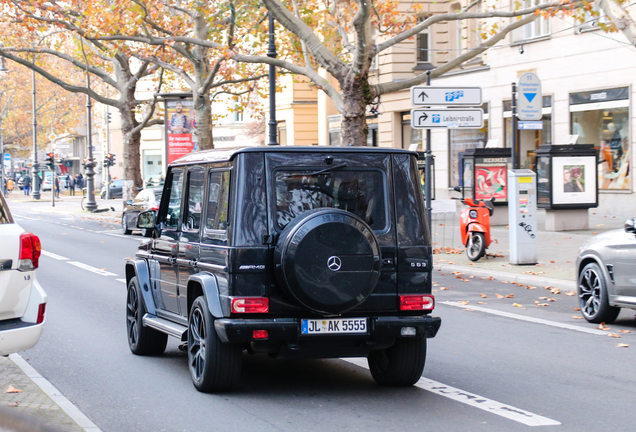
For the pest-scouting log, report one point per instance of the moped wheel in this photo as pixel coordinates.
(476, 246)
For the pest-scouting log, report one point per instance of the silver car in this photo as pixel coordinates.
(607, 274)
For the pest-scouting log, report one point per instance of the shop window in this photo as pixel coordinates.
(608, 130)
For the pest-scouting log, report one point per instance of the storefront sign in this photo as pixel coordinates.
(599, 96)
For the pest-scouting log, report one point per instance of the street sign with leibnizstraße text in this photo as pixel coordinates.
(530, 100)
(452, 118)
(446, 96)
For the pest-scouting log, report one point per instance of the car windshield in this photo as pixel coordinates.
(360, 192)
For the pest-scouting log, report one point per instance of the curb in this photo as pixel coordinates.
(522, 279)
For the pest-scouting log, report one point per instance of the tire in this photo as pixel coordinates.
(401, 364)
(82, 203)
(476, 246)
(593, 296)
(141, 340)
(124, 226)
(214, 366)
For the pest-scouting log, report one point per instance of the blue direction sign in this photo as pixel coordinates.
(530, 100)
(460, 118)
(7, 156)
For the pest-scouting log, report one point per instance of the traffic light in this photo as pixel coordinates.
(109, 160)
(50, 159)
(108, 117)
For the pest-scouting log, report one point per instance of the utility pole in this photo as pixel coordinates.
(272, 84)
(36, 176)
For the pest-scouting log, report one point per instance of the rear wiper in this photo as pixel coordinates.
(322, 171)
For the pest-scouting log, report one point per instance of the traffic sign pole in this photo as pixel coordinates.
(427, 169)
(514, 126)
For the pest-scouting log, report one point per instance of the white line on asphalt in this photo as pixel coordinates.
(526, 318)
(54, 256)
(91, 268)
(125, 236)
(48, 388)
(476, 401)
(121, 280)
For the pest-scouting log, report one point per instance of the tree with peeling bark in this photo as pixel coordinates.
(620, 19)
(60, 34)
(203, 68)
(344, 37)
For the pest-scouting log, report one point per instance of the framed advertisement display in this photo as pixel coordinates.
(180, 125)
(544, 180)
(491, 181)
(574, 180)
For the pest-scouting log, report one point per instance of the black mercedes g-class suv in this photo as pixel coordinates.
(297, 252)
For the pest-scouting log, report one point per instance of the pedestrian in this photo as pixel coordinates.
(57, 187)
(149, 182)
(80, 180)
(71, 185)
(9, 186)
(27, 185)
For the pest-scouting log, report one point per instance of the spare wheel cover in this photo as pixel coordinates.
(328, 260)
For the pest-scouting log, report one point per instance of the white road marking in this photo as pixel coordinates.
(476, 401)
(121, 280)
(54, 256)
(527, 318)
(91, 268)
(67, 406)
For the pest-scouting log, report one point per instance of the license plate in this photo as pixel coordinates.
(333, 325)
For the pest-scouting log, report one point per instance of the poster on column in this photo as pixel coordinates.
(491, 181)
(180, 128)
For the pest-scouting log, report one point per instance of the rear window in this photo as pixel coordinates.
(5, 214)
(361, 192)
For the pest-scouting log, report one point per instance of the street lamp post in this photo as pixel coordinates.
(272, 84)
(90, 172)
(36, 177)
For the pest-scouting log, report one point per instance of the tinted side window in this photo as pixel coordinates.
(174, 204)
(5, 214)
(196, 179)
(218, 197)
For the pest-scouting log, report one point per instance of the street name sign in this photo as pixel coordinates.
(465, 118)
(446, 96)
(530, 100)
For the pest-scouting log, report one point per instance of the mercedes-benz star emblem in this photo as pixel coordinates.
(334, 263)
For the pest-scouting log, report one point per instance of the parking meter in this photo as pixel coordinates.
(522, 216)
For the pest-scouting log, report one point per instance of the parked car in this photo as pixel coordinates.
(301, 252)
(22, 299)
(115, 190)
(606, 275)
(20, 183)
(147, 199)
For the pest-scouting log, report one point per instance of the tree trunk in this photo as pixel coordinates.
(132, 158)
(202, 104)
(203, 116)
(620, 18)
(355, 97)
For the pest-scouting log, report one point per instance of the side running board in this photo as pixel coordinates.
(164, 326)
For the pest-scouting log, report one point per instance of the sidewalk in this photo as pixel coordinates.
(556, 251)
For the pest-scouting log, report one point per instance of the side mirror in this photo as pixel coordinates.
(146, 219)
(630, 226)
(457, 189)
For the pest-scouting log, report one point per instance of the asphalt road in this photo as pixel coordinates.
(493, 366)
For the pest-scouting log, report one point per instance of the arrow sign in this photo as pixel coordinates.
(447, 96)
(531, 101)
(460, 118)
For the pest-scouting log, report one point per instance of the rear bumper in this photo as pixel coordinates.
(20, 338)
(288, 329)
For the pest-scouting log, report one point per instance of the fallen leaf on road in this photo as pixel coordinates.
(517, 305)
(12, 389)
(542, 304)
(491, 278)
(566, 237)
(577, 317)
(457, 273)
(569, 261)
(602, 326)
(530, 287)
(481, 303)
(600, 225)
(13, 404)
(570, 294)
(555, 291)
(622, 346)
(558, 242)
(465, 280)
(443, 288)
(530, 272)
(471, 264)
(577, 309)
(543, 298)
(614, 335)
(483, 295)
(472, 277)
(443, 274)
(510, 296)
(624, 331)
(552, 262)
(547, 287)
(551, 299)
(594, 233)
(463, 302)
(469, 310)
(499, 296)
(102, 242)
(539, 265)
(505, 281)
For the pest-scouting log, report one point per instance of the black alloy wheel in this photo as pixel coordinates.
(401, 364)
(124, 226)
(214, 366)
(593, 296)
(141, 340)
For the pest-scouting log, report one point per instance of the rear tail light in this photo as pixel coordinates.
(155, 208)
(250, 305)
(30, 251)
(417, 302)
(41, 313)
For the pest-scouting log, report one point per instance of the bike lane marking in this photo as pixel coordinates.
(473, 400)
(527, 318)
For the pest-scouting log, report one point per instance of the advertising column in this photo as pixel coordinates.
(179, 128)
